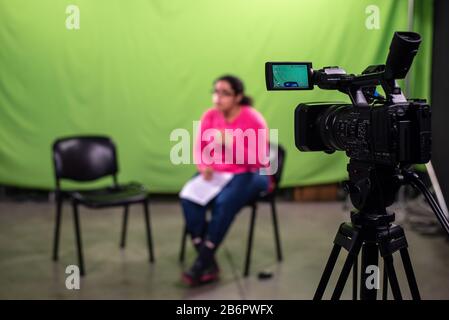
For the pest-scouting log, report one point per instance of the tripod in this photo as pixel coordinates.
(372, 188)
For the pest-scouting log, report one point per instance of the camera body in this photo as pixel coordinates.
(382, 133)
(388, 130)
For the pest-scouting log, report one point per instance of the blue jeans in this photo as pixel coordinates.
(235, 195)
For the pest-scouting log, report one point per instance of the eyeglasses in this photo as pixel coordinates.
(223, 93)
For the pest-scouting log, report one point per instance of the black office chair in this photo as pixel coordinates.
(271, 199)
(88, 158)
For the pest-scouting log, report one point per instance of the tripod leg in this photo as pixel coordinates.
(327, 272)
(370, 257)
(352, 255)
(385, 284)
(392, 277)
(410, 274)
(354, 278)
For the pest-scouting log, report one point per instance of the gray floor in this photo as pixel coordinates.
(307, 231)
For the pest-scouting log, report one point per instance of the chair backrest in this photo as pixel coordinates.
(281, 161)
(84, 158)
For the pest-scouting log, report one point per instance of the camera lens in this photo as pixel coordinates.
(333, 126)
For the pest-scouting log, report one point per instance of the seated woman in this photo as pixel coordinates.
(233, 153)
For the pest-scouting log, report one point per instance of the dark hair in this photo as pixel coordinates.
(238, 87)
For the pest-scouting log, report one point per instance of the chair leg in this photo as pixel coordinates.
(276, 230)
(124, 227)
(182, 251)
(57, 228)
(78, 238)
(250, 241)
(148, 229)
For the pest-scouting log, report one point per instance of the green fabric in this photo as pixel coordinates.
(136, 70)
(421, 69)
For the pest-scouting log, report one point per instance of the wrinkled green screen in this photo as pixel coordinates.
(136, 70)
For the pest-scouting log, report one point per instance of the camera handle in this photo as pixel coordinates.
(336, 78)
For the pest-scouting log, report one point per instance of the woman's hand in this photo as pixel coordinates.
(207, 173)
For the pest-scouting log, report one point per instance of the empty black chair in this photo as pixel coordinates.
(268, 198)
(88, 158)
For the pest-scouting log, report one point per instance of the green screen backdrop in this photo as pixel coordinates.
(136, 70)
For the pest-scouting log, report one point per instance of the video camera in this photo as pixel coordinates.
(386, 130)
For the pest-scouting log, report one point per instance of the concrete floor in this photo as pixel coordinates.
(307, 231)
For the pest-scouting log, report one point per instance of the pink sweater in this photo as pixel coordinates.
(245, 146)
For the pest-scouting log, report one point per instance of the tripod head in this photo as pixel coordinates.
(373, 187)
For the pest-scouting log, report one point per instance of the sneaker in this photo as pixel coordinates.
(210, 274)
(197, 275)
(198, 246)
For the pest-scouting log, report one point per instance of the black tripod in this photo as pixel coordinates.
(372, 188)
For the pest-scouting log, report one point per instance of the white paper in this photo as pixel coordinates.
(201, 191)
